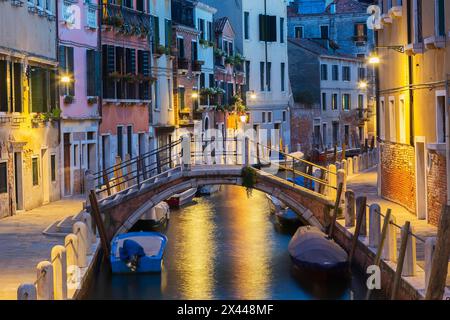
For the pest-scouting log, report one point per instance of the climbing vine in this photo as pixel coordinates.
(248, 179)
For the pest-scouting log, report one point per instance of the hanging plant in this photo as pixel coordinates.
(229, 60)
(92, 100)
(68, 99)
(219, 53)
(249, 179)
(204, 42)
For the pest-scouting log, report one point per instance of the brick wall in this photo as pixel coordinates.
(436, 187)
(398, 174)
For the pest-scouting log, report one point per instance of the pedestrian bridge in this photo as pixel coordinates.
(139, 184)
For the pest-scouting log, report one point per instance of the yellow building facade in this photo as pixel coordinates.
(413, 130)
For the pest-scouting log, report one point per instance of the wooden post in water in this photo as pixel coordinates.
(400, 259)
(359, 219)
(387, 220)
(438, 274)
(335, 210)
(100, 226)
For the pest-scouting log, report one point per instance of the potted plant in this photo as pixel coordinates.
(92, 100)
(116, 76)
(204, 43)
(68, 99)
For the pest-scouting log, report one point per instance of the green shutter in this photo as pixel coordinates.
(70, 70)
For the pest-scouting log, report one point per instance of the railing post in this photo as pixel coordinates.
(332, 181)
(71, 245)
(390, 246)
(335, 210)
(317, 174)
(401, 259)
(361, 205)
(186, 150)
(344, 166)
(58, 258)
(349, 166)
(100, 226)
(409, 269)
(89, 182)
(342, 180)
(44, 282)
(118, 174)
(129, 176)
(355, 164)
(26, 291)
(80, 229)
(350, 209)
(435, 290)
(374, 225)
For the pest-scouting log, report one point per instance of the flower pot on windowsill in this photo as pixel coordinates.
(68, 99)
(92, 100)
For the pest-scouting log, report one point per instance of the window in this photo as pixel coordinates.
(392, 128)
(299, 32)
(382, 119)
(128, 3)
(324, 101)
(246, 25)
(140, 5)
(360, 101)
(324, 32)
(181, 98)
(66, 68)
(335, 73)
(168, 33)
(269, 117)
(346, 73)
(346, 134)
(201, 28)
(418, 36)
(53, 167)
(440, 17)
(267, 28)
(283, 72)
(323, 72)
(3, 86)
(3, 177)
(402, 120)
(334, 101)
(210, 31)
(268, 76)
(263, 117)
(335, 133)
(42, 93)
(346, 102)
(35, 171)
(284, 116)
(194, 51)
(281, 30)
(440, 119)
(155, 28)
(169, 93)
(361, 74)
(156, 94)
(360, 33)
(261, 76)
(120, 142)
(180, 46)
(324, 134)
(130, 141)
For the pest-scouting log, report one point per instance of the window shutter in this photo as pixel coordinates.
(262, 27)
(90, 72)
(53, 90)
(272, 32)
(70, 70)
(62, 59)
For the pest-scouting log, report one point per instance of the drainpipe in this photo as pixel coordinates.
(447, 135)
(57, 59)
(100, 72)
(410, 79)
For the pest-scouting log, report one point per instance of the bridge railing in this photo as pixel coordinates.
(132, 171)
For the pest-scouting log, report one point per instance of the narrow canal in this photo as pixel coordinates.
(225, 246)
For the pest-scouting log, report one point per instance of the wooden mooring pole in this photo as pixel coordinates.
(335, 210)
(401, 259)
(100, 226)
(439, 264)
(361, 216)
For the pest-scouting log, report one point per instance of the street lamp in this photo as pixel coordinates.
(362, 85)
(243, 118)
(252, 95)
(65, 79)
(194, 94)
(374, 59)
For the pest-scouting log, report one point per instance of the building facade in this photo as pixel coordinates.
(79, 65)
(413, 107)
(29, 111)
(126, 81)
(325, 86)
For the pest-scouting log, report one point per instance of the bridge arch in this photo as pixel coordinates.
(123, 210)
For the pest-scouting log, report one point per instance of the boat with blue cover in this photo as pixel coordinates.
(137, 252)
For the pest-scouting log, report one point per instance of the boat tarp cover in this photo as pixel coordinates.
(131, 249)
(310, 246)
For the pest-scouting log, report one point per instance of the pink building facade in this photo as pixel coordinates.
(79, 67)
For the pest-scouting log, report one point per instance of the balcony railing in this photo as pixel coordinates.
(126, 20)
(183, 64)
(197, 65)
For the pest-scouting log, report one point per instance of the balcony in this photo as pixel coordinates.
(197, 65)
(183, 65)
(126, 21)
(395, 12)
(435, 42)
(414, 48)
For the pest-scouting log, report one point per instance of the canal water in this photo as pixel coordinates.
(225, 246)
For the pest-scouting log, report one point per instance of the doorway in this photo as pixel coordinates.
(67, 183)
(421, 179)
(45, 176)
(18, 183)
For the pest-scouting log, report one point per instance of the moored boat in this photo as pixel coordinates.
(181, 199)
(287, 218)
(317, 256)
(155, 218)
(275, 204)
(137, 252)
(209, 190)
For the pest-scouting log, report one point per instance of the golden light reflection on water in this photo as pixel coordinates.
(250, 240)
(194, 243)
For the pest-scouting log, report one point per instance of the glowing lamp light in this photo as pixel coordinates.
(243, 118)
(194, 95)
(253, 95)
(374, 59)
(65, 79)
(362, 85)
